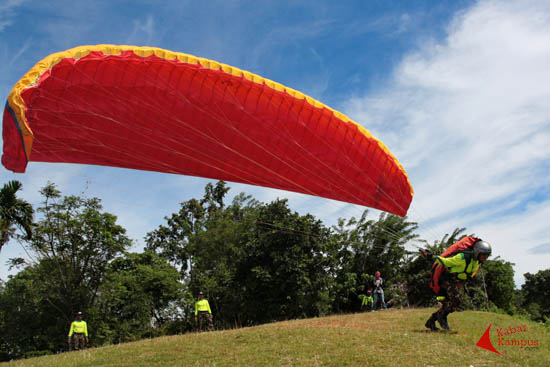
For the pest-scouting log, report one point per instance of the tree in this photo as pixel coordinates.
(536, 294)
(14, 213)
(72, 246)
(75, 241)
(217, 252)
(203, 240)
(498, 276)
(139, 291)
(175, 240)
(285, 270)
(30, 323)
(254, 262)
(367, 246)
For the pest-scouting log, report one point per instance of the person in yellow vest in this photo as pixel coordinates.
(458, 269)
(203, 314)
(78, 333)
(366, 300)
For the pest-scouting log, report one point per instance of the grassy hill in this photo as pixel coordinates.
(384, 338)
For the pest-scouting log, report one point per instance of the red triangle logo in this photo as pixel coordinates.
(485, 341)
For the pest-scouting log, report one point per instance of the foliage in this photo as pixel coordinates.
(536, 293)
(14, 213)
(75, 242)
(282, 270)
(138, 289)
(499, 283)
(367, 246)
(175, 240)
(255, 262)
(72, 245)
(27, 319)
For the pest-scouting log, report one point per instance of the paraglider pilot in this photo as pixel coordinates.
(456, 270)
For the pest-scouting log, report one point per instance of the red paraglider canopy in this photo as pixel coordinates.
(152, 109)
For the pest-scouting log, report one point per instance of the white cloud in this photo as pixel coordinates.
(143, 32)
(7, 12)
(540, 249)
(469, 119)
(514, 236)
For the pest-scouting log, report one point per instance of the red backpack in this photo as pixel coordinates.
(463, 245)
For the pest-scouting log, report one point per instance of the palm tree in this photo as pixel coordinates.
(14, 213)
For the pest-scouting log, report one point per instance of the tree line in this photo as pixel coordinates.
(255, 262)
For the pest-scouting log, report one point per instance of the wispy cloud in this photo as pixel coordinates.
(540, 249)
(7, 12)
(19, 52)
(143, 32)
(469, 119)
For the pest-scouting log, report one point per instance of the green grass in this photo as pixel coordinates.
(384, 338)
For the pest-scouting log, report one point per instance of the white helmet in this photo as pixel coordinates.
(482, 247)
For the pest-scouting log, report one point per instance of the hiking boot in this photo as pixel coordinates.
(430, 324)
(442, 318)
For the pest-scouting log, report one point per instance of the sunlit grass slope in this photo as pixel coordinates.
(384, 338)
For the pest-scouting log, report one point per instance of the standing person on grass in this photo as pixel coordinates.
(203, 314)
(378, 291)
(78, 333)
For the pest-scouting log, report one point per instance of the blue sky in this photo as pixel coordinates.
(458, 90)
